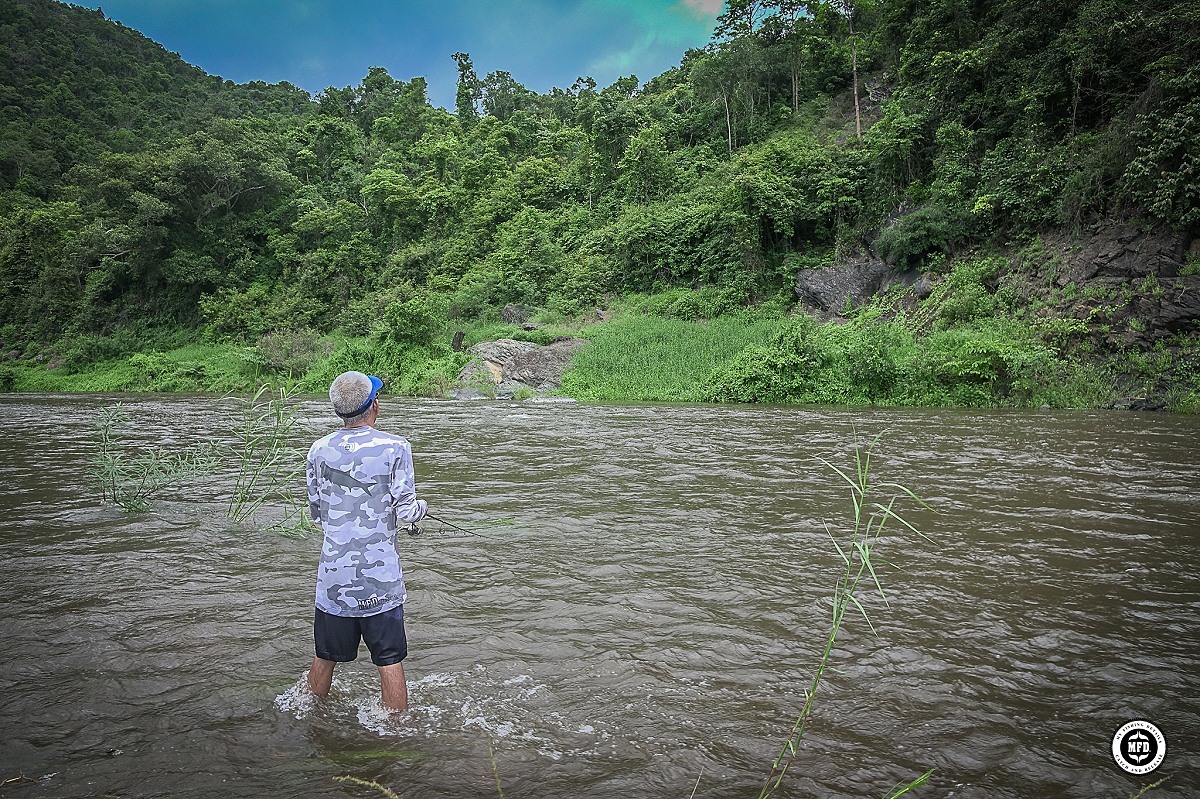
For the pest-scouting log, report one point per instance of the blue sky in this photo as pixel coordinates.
(316, 44)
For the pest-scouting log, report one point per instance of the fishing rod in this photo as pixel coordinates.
(414, 530)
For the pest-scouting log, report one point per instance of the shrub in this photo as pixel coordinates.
(80, 350)
(908, 240)
(291, 352)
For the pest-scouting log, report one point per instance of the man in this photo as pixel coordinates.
(360, 490)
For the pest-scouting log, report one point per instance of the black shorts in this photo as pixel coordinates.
(337, 637)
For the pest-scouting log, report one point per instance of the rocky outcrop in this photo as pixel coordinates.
(830, 290)
(1113, 295)
(1122, 252)
(1131, 283)
(507, 368)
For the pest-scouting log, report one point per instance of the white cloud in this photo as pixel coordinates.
(705, 8)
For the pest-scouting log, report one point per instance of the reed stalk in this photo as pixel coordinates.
(131, 479)
(387, 792)
(873, 507)
(268, 463)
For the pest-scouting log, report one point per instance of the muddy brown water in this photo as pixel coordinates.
(640, 618)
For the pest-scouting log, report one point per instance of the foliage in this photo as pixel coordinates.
(910, 239)
(132, 479)
(136, 189)
(642, 357)
(858, 363)
(269, 464)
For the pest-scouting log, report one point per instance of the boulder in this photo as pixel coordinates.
(514, 314)
(491, 359)
(543, 368)
(507, 368)
(831, 288)
(467, 393)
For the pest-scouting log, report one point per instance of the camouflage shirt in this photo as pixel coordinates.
(360, 487)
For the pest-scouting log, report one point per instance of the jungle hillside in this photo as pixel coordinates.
(858, 202)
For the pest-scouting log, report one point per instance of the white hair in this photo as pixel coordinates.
(349, 392)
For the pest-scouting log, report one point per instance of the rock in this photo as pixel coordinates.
(1180, 309)
(491, 358)
(467, 393)
(502, 350)
(511, 368)
(831, 288)
(923, 287)
(543, 367)
(1124, 252)
(514, 314)
(509, 389)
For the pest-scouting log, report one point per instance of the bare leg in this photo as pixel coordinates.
(395, 689)
(320, 676)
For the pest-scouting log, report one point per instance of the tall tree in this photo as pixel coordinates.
(469, 91)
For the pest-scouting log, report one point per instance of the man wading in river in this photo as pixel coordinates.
(360, 489)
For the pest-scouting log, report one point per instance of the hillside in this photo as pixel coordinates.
(74, 85)
(963, 154)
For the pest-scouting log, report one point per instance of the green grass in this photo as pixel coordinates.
(216, 368)
(647, 358)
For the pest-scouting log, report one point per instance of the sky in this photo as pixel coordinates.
(317, 44)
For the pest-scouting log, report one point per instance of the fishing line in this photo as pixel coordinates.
(451, 525)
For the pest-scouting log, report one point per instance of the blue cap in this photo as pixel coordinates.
(376, 384)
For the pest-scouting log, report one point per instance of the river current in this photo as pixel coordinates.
(639, 614)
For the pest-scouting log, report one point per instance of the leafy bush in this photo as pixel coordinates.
(908, 240)
(158, 371)
(81, 350)
(236, 314)
(706, 302)
(966, 294)
(999, 364)
(857, 363)
(417, 321)
(292, 352)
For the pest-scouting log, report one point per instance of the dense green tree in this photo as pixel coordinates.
(135, 190)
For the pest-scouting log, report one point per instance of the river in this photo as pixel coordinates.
(639, 615)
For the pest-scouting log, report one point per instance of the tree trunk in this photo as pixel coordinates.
(854, 67)
(728, 121)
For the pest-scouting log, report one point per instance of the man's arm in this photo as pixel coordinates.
(407, 507)
(314, 495)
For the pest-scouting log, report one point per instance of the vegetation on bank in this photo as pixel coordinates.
(163, 229)
(964, 345)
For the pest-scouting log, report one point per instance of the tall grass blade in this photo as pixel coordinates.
(857, 565)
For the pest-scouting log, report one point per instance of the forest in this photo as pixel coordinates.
(165, 229)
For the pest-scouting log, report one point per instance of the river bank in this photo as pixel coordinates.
(1108, 321)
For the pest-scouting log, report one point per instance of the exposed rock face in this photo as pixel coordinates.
(1127, 274)
(831, 288)
(1121, 271)
(543, 368)
(1130, 288)
(507, 367)
(1125, 252)
(491, 357)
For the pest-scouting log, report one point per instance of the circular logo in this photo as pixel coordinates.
(1139, 747)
